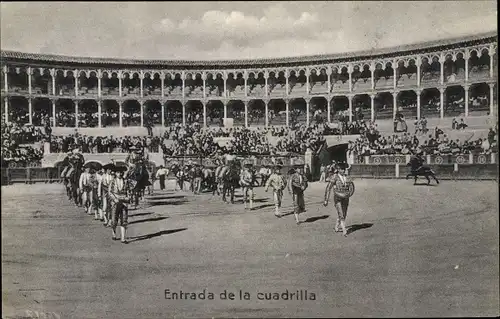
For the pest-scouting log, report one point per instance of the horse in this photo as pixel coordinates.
(137, 180)
(418, 169)
(230, 176)
(218, 180)
(73, 179)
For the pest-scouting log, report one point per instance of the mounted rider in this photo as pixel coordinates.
(134, 159)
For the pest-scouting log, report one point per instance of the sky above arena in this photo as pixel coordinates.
(234, 30)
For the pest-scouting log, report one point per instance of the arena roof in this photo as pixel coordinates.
(393, 51)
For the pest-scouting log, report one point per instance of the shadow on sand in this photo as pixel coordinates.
(153, 235)
(356, 227)
(424, 184)
(315, 218)
(262, 206)
(154, 219)
(140, 214)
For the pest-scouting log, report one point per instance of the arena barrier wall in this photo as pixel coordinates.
(443, 171)
(455, 171)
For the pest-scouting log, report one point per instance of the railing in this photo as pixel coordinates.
(30, 175)
(473, 158)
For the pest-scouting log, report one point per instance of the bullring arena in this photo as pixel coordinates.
(410, 250)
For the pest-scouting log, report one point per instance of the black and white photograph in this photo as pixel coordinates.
(240, 159)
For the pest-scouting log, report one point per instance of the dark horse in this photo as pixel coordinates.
(137, 181)
(73, 179)
(418, 169)
(230, 181)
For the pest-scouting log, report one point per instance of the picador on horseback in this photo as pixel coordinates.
(71, 175)
(417, 168)
(137, 175)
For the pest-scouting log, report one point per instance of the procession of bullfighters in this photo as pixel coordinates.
(249, 160)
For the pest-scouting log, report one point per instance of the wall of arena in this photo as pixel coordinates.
(456, 77)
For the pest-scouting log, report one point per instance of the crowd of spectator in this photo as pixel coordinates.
(439, 143)
(13, 136)
(103, 144)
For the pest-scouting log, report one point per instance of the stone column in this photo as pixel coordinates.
(329, 73)
(394, 104)
(99, 77)
(418, 92)
(492, 96)
(76, 82)
(308, 110)
(99, 113)
(349, 97)
(53, 76)
(266, 76)
(30, 111)
(204, 78)
(372, 108)
(162, 78)
(77, 113)
(466, 58)
(120, 113)
(419, 62)
(349, 70)
(466, 98)
(183, 77)
(328, 109)
(29, 81)
(245, 77)
(287, 85)
(120, 86)
(6, 102)
(395, 73)
(141, 78)
(224, 77)
(287, 103)
(5, 78)
(372, 69)
(54, 121)
(246, 113)
(492, 54)
(308, 88)
(183, 109)
(441, 65)
(441, 99)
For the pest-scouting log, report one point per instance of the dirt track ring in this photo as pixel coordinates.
(377, 161)
(481, 159)
(438, 160)
(460, 160)
(398, 160)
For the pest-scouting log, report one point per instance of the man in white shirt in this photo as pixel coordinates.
(161, 174)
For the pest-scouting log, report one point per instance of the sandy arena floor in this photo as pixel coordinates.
(412, 251)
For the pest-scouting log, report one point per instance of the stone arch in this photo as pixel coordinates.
(110, 113)
(194, 112)
(152, 112)
(65, 113)
(361, 107)
(42, 81)
(318, 110)
(173, 112)
(256, 113)
(236, 111)
(298, 111)
(339, 108)
(88, 113)
(131, 113)
(277, 112)
(215, 113)
(18, 110)
(407, 104)
(383, 105)
(479, 99)
(42, 111)
(454, 101)
(430, 102)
